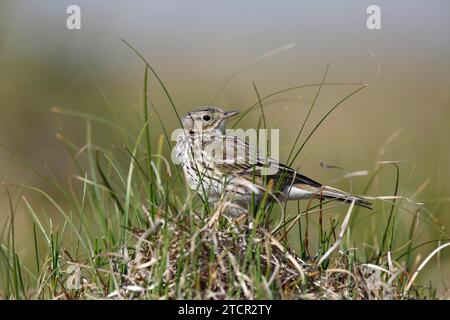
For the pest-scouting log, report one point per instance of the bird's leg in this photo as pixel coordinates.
(241, 218)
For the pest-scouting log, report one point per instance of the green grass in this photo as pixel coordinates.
(132, 229)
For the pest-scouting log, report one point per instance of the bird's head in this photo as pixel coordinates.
(206, 118)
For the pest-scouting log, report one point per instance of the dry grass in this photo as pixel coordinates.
(235, 261)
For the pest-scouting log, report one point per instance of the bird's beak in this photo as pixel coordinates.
(229, 114)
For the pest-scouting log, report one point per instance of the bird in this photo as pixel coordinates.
(226, 169)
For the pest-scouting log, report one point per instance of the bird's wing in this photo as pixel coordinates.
(238, 157)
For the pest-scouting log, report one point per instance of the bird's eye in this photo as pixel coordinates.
(206, 117)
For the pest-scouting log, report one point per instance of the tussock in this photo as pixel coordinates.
(236, 261)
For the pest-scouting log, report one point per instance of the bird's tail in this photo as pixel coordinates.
(303, 191)
(337, 194)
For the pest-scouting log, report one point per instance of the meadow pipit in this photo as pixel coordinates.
(224, 168)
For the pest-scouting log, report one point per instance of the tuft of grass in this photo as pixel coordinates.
(131, 229)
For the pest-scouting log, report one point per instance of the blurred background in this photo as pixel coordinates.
(196, 46)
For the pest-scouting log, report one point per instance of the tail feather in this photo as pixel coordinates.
(305, 191)
(337, 194)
